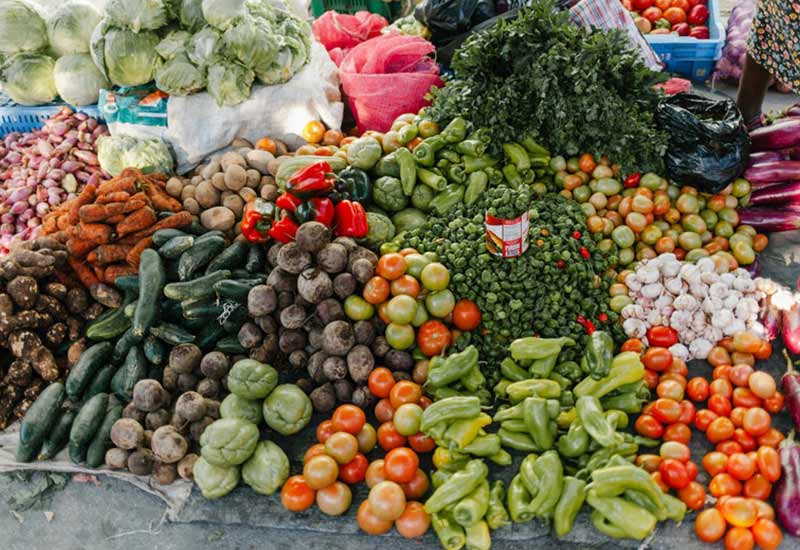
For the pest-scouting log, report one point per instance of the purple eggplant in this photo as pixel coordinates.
(770, 220)
(787, 493)
(794, 110)
(780, 135)
(790, 386)
(775, 194)
(771, 319)
(791, 329)
(793, 153)
(764, 156)
(780, 170)
(758, 186)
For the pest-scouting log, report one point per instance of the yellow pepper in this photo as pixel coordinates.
(462, 432)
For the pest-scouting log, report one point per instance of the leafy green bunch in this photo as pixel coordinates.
(572, 90)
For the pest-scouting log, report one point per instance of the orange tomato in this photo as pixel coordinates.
(405, 391)
(724, 484)
(332, 137)
(657, 359)
(675, 16)
(433, 337)
(662, 4)
(739, 538)
(767, 534)
(772, 438)
(391, 266)
(741, 466)
(266, 144)
(405, 284)
(586, 163)
(764, 351)
(466, 315)
(710, 525)
(757, 487)
(769, 463)
(296, 495)
(739, 511)
(746, 342)
(380, 382)
(313, 132)
(715, 463)
(774, 404)
(756, 421)
(376, 290)
(693, 495)
(414, 521)
(682, 4)
(633, 344)
(369, 522)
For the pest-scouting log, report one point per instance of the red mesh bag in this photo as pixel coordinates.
(387, 76)
(338, 30)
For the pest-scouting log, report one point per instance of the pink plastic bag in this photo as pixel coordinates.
(387, 76)
(337, 30)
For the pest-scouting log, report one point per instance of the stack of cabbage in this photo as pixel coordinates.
(189, 45)
(43, 58)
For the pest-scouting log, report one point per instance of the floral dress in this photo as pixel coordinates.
(774, 40)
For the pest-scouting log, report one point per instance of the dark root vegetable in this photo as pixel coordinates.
(130, 411)
(148, 395)
(187, 382)
(344, 285)
(363, 398)
(185, 358)
(191, 406)
(361, 253)
(272, 254)
(215, 365)
(380, 347)
(156, 419)
(314, 285)
(212, 408)
(208, 388)
(298, 359)
(292, 340)
(168, 445)
(196, 429)
(338, 338)
(293, 316)
(334, 368)
(348, 243)
(267, 324)
(398, 360)
(249, 335)
(305, 384)
(329, 310)
(315, 338)
(332, 258)
(399, 375)
(116, 458)
(282, 281)
(285, 299)
(261, 300)
(164, 474)
(312, 236)
(314, 366)
(362, 270)
(186, 466)
(344, 390)
(127, 433)
(323, 398)
(364, 332)
(140, 462)
(360, 363)
(293, 259)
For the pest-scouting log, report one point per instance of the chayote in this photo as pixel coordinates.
(234, 406)
(229, 441)
(267, 469)
(252, 379)
(287, 410)
(214, 481)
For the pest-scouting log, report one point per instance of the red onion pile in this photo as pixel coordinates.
(42, 169)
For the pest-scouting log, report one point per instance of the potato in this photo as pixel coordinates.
(313, 236)
(116, 458)
(148, 395)
(247, 194)
(209, 388)
(232, 158)
(249, 335)
(261, 300)
(360, 363)
(293, 259)
(185, 358)
(268, 191)
(168, 445)
(332, 258)
(196, 179)
(259, 160)
(156, 419)
(218, 182)
(218, 218)
(314, 285)
(323, 398)
(164, 474)
(253, 178)
(274, 165)
(235, 204)
(280, 148)
(205, 195)
(186, 465)
(291, 317)
(235, 177)
(215, 365)
(127, 433)
(140, 462)
(282, 281)
(338, 338)
(174, 186)
(239, 143)
(192, 206)
(191, 406)
(210, 169)
(334, 368)
(187, 192)
(344, 285)
(362, 270)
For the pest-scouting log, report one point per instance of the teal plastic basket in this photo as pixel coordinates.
(22, 118)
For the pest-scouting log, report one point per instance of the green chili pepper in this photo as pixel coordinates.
(591, 416)
(408, 133)
(455, 367)
(478, 536)
(496, 515)
(451, 535)
(458, 486)
(476, 186)
(534, 148)
(566, 418)
(537, 420)
(431, 179)
(439, 477)
(389, 248)
(569, 504)
(617, 419)
(455, 131)
(474, 379)
(449, 155)
(517, 154)
(425, 152)
(519, 501)
(473, 164)
(512, 177)
(445, 393)
(517, 441)
(512, 371)
(630, 402)
(496, 177)
(550, 473)
(538, 387)
(615, 480)
(448, 410)
(408, 170)
(563, 382)
(529, 476)
(625, 369)
(463, 431)
(500, 388)
(443, 164)
(570, 370)
(575, 442)
(472, 508)
(448, 199)
(456, 174)
(540, 161)
(515, 425)
(471, 147)
(646, 441)
(502, 458)
(541, 368)
(484, 445)
(599, 354)
(538, 348)
(636, 522)
(603, 525)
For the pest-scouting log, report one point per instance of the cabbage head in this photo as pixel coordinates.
(70, 28)
(229, 83)
(190, 14)
(222, 14)
(21, 28)
(27, 78)
(252, 43)
(115, 153)
(78, 80)
(179, 76)
(281, 69)
(138, 15)
(173, 44)
(204, 47)
(128, 58)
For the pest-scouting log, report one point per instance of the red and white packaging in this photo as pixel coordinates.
(507, 238)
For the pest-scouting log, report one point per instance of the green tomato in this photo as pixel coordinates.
(743, 253)
(693, 223)
(626, 256)
(706, 236)
(605, 246)
(650, 181)
(421, 316)
(399, 336)
(609, 186)
(701, 203)
(661, 224)
(407, 419)
(415, 263)
(710, 217)
(401, 309)
(617, 303)
(588, 209)
(729, 215)
(435, 276)
(573, 165)
(357, 308)
(690, 241)
(558, 164)
(559, 178)
(672, 234)
(674, 192)
(723, 229)
(650, 234)
(740, 238)
(440, 303)
(747, 230)
(582, 193)
(741, 187)
(687, 204)
(696, 254)
(623, 236)
(432, 256)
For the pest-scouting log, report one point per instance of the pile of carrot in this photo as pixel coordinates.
(107, 226)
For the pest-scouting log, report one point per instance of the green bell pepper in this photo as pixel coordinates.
(541, 368)
(455, 367)
(473, 164)
(458, 486)
(573, 493)
(432, 180)
(599, 354)
(626, 368)
(612, 481)
(456, 174)
(449, 155)
(487, 446)
(512, 371)
(570, 370)
(425, 152)
(477, 184)
(629, 402)
(354, 184)
(455, 131)
(591, 416)
(517, 441)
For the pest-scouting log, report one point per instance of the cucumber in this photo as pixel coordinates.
(38, 421)
(176, 246)
(101, 442)
(85, 369)
(233, 256)
(195, 228)
(199, 288)
(256, 259)
(161, 236)
(197, 257)
(194, 326)
(132, 370)
(171, 269)
(86, 424)
(154, 350)
(109, 325)
(102, 381)
(130, 309)
(230, 344)
(58, 436)
(127, 283)
(171, 311)
(172, 334)
(235, 290)
(152, 278)
(209, 335)
(155, 373)
(124, 344)
(201, 309)
(209, 235)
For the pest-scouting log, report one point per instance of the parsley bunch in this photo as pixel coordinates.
(572, 90)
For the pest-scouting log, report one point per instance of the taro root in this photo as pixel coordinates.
(140, 462)
(127, 433)
(191, 406)
(148, 395)
(168, 445)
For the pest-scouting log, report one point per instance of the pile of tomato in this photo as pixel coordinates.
(681, 17)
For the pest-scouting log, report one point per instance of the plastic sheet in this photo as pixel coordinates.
(708, 145)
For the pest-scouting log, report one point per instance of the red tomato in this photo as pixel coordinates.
(772, 438)
(380, 382)
(703, 418)
(720, 429)
(648, 426)
(354, 471)
(745, 440)
(421, 443)
(641, 5)
(697, 389)
(652, 14)
(405, 391)
(693, 495)
(296, 495)
(348, 418)
(679, 432)
(698, 15)
(756, 421)
(466, 315)
(433, 337)
(757, 487)
(662, 337)
(400, 465)
(744, 397)
(720, 405)
(729, 447)
(673, 473)
(769, 463)
(384, 411)
(687, 412)
(324, 430)
(417, 487)
(675, 16)
(721, 386)
(657, 359)
(741, 466)
(666, 411)
(715, 463)
(774, 404)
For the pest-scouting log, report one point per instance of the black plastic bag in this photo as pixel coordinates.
(447, 48)
(708, 141)
(450, 18)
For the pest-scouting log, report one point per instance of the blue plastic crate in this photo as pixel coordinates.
(691, 57)
(22, 118)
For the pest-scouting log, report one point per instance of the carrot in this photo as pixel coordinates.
(114, 220)
(98, 233)
(135, 252)
(117, 196)
(87, 195)
(111, 253)
(136, 221)
(99, 272)
(91, 213)
(120, 183)
(118, 270)
(135, 204)
(174, 221)
(80, 247)
(92, 257)
(161, 200)
(86, 275)
(50, 224)
(63, 221)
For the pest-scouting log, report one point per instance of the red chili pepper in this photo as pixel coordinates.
(257, 220)
(576, 235)
(632, 180)
(284, 230)
(351, 220)
(560, 264)
(288, 202)
(585, 253)
(602, 317)
(580, 319)
(314, 180)
(590, 328)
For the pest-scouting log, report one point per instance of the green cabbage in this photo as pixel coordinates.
(128, 58)
(78, 80)
(179, 76)
(222, 14)
(27, 78)
(21, 28)
(281, 69)
(408, 219)
(203, 47)
(380, 229)
(115, 153)
(191, 14)
(229, 84)
(252, 43)
(173, 44)
(70, 28)
(138, 15)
